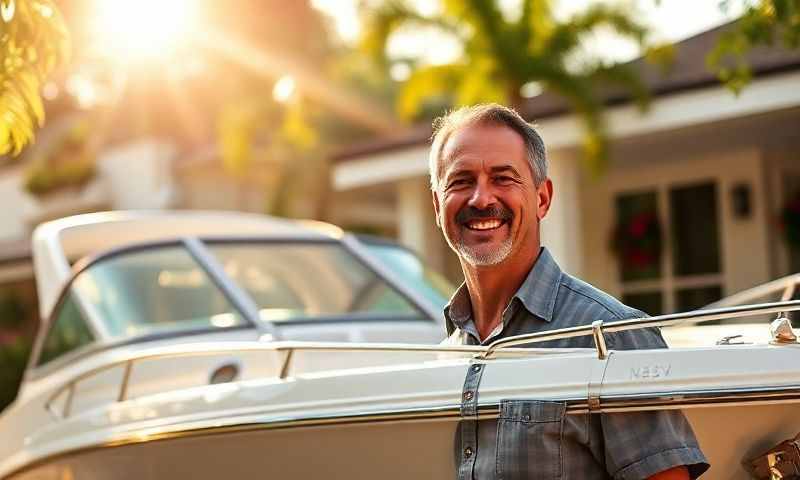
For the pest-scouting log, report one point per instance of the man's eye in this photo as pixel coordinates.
(503, 179)
(457, 183)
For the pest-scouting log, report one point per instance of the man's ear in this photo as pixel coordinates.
(435, 206)
(544, 196)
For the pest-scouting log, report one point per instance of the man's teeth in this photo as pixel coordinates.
(484, 224)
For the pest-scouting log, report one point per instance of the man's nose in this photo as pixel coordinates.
(482, 196)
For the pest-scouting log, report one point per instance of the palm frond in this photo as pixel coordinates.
(34, 41)
(567, 36)
(380, 23)
(424, 84)
(579, 93)
(535, 24)
(483, 85)
(493, 34)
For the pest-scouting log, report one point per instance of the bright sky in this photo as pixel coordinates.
(671, 19)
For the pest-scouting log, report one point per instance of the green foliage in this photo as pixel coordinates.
(13, 359)
(68, 163)
(12, 311)
(764, 22)
(43, 178)
(501, 55)
(33, 41)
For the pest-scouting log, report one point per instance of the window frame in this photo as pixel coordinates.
(670, 282)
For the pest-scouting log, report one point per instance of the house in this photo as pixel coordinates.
(687, 211)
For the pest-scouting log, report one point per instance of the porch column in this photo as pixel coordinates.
(561, 228)
(416, 223)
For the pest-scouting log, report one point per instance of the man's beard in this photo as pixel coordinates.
(486, 258)
(472, 255)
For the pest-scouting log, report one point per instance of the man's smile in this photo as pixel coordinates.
(484, 220)
(484, 224)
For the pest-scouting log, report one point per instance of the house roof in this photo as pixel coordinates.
(688, 72)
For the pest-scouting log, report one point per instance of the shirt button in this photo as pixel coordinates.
(468, 395)
(476, 368)
(468, 452)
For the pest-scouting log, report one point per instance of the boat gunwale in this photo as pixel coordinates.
(703, 398)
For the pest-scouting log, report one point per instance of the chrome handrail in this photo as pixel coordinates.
(500, 347)
(637, 323)
(231, 347)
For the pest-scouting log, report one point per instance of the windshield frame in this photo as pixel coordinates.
(102, 340)
(240, 300)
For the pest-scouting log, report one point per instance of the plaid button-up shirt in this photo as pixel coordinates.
(536, 439)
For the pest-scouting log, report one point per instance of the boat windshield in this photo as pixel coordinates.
(318, 281)
(160, 289)
(164, 289)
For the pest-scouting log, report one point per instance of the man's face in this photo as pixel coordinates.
(486, 201)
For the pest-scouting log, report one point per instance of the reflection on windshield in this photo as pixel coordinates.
(413, 272)
(297, 281)
(151, 291)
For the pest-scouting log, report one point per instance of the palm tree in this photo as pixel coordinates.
(33, 41)
(503, 55)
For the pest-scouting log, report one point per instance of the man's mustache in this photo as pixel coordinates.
(468, 213)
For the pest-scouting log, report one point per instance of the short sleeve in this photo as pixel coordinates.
(641, 444)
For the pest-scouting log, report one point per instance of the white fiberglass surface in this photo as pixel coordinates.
(311, 281)
(151, 291)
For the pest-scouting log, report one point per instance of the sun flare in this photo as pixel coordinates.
(144, 29)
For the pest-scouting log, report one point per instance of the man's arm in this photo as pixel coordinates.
(676, 473)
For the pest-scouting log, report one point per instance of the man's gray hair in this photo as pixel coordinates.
(488, 114)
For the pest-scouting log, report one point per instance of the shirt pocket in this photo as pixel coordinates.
(529, 440)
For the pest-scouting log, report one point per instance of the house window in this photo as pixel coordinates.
(667, 245)
(695, 234)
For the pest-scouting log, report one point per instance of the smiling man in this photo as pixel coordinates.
(490, 191)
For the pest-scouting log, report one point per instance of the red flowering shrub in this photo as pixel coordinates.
(637, 242)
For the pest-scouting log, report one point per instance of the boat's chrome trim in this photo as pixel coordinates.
(216, 348)
(501, 346)
(648, 322)
(787, 285)
(599, 339)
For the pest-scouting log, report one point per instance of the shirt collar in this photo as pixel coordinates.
(537, 293)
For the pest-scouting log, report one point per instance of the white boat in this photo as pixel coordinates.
(214, 403)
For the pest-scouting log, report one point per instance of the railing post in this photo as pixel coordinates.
(287, 360)
(599, 339)
(126, 375)
(68, 402)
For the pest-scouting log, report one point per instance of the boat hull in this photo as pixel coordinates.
(373, 448)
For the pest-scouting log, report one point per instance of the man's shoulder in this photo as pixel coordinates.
(580, 303)
(576, 293)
